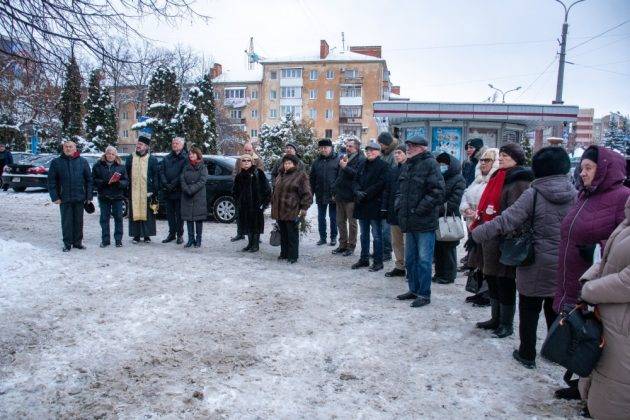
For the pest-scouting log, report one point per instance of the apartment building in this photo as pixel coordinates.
(584, 127)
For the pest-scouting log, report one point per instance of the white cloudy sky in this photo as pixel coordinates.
(437, 50)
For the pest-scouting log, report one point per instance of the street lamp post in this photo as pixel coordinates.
(563, 49)
(502, 92)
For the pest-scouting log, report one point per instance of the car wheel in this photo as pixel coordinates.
(125, 207)
(19, 189)
(224, 209)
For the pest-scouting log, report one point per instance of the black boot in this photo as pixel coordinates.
(396, 272)
(169, 238)
(360, 264)
(493, 322)
(506, 320)
(238, 237)
(191, 242)
(250, 243)
(180, 240)
(198, 241)
(255, 246)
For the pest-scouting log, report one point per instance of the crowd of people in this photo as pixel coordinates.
(391, 197)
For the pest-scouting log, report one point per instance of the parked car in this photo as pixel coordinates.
(30, 171)
(221, 204)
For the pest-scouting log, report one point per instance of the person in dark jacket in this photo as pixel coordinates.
(545, 203)
(70, 186)
(142, 170)
(368, 193)
(110, 180)
(505, 187)
(388, 145)
(252, 193)
(454, 184)
(474, 149)
(194, 205)
(248, 149)
(6, 158)
(389, 207)
(324, 172)
(343, 190)
(420, 193)
(290, 201)
(170, 170)
(290, 149)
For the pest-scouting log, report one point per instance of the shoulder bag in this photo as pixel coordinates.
(450, 228)
(517, 248)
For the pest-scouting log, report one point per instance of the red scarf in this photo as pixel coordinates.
(491, 197)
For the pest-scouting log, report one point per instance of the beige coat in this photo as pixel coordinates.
(607, 391)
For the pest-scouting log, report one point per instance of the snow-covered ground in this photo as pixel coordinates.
(158, 331)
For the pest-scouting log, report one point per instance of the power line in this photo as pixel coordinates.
(539, 76)
(598, 35)
(600, 69)
(602, 46)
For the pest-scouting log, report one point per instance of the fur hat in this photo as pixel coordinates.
(144, 138)
(373, 145)
(592, 153)
(477, 143)
(549, 161)
(385, 138)
(292, 158)
(515, 151)
(324, 142)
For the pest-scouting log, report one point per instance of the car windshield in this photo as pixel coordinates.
(226, 160)
(41, 160)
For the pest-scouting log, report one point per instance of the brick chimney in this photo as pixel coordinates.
(396, 90)
(216, 71)
(324, 49)
(373, 50)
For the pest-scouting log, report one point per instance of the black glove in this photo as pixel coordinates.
(470, 244)
(360, 195)
(586, 252)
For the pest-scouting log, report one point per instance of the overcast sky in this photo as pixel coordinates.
(436, 50)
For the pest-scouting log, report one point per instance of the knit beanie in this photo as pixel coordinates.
(550, 161)
(477, 143)
(592, 153)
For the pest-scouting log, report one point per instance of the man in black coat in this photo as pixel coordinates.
(389, 208)
(420, 193)
(474, 149)
(343, 190)
(454, 183)
(370, 185)
(70, 186)
(324, 172)
(170, 170)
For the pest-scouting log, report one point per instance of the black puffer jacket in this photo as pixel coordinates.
(420, 193)
(389, 195)
(345, 183)
(369, 189)
(70, 179)
(324, 172)
(102, 173)
(454, 186)
(170, 170)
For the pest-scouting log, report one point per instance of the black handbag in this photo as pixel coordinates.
(575, 341)
(472, 282)
(517, 248)
(274, 238)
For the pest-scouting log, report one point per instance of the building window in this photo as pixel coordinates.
(296, 111)
(330, 74)
(236, 113)
(312, 94)
(234, 93)
(254, 133)
(126, 133)
(313, 75)
(329, 114)
(291, 92)
(328, 134)
(273, 94)
(313, 113)
(350, 111)
(351, 74)
(254, 113)
(351, 91)
(273, 113)
(254, 94)
(329, 94)
(216, 94)
(273, 75)
(291, 73)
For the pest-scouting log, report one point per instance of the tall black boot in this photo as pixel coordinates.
(506, 320)
(250, 238)
(255, 243)
(493, 322)
(198, 239)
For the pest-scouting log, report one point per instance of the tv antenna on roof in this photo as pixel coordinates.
(343, 42)
(252, 57)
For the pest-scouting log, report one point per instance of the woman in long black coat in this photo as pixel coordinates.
(252, 193)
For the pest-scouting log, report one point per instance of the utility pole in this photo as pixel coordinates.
(563, 49)
(343, 41)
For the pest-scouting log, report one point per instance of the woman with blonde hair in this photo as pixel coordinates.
(111, 181)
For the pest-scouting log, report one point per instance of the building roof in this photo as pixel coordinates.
(240, 76)
(333, 56)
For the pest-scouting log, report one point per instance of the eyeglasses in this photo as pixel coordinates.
(487, 160)
(246, 160)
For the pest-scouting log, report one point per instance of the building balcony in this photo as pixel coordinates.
(291, 81)
(350, 120)
(235, 102)
(351, 101)
(352, 80)
(236, 121)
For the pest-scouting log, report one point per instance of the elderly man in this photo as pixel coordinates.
(370, 185)
(70, 186)
(170, 171)
(248, 149)
(388, 145)
(142, 170)
(343, 190)
(420, 193)
(324, 172)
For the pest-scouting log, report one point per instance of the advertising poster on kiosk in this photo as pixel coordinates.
(447, 139)
(488, 135)
(415, 131)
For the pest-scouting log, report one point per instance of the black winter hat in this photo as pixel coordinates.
(592, 153)
(385, 138)
(549, 161)
(477, 143)
(324, 142)
(145, 139)
(402, 148)
(292, 158)
(515, 151)
(444, 158)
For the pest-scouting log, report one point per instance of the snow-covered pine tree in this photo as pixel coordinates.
(10, 133)
(163, 97)
(188, 121)
(69, 105)
(616, 137)
(527, 148)
(100, 116)
(273, 139)
(205, 103)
